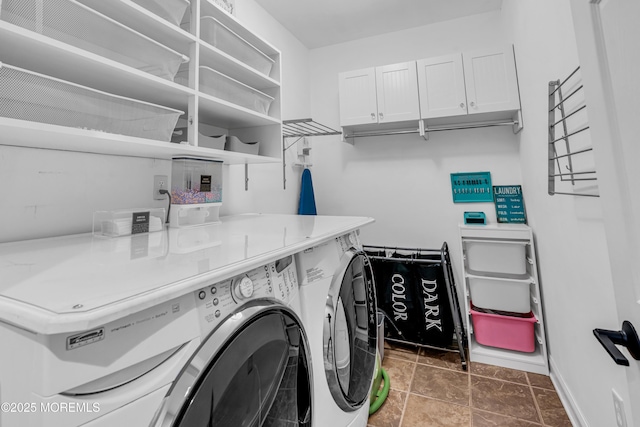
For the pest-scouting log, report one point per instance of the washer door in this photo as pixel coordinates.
(350, 331)
(252, 371)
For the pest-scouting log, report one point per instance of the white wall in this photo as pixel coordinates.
(404, 181)
(50, 193)
(572, 250)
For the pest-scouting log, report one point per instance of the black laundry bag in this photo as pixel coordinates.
(414, 298)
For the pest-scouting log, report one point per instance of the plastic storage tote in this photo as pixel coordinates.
(75, 24)
(217, 34)
(508, 332)
(26, 95)
(500, 294)
(221, 86)
(170, 10)
(195, 181)
(501, 257)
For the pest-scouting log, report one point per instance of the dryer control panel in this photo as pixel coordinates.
(220, 300)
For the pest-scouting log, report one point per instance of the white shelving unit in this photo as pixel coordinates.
(36, 52)
(506, 235)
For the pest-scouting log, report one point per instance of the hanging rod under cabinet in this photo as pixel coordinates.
(423, 131)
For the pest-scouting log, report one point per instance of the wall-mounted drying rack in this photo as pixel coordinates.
(566, 162)
(301, 128)
(424, 131)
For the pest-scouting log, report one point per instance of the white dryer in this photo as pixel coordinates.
(338, 302)
(232, 354)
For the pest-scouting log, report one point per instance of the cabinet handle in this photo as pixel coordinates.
(473, 104)
(381, 116)
(462, 105)
(373, 116)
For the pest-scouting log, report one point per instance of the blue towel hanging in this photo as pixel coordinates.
(307, 204)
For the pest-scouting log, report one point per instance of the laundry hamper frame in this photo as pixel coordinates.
(445, 263)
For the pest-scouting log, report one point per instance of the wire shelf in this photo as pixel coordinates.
(301, 128)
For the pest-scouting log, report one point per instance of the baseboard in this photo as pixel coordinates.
(569, 403)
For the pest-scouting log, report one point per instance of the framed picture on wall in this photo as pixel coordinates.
(509, 204)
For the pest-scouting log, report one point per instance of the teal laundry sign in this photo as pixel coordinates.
(509, 204)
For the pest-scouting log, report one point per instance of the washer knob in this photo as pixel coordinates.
(243, 288)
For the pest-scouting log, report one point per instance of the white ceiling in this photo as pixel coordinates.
(318, 23)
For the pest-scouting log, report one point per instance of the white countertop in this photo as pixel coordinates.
(74, 283)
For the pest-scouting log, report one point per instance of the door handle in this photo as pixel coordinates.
(627, 337)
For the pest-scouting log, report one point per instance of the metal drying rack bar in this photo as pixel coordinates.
(556, 103)
(300, 128)
(454, 304)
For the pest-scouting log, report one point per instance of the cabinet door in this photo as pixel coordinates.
(441, 87)
(491, 82)
(397, 86)
(358, 103)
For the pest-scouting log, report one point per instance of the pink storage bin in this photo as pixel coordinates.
(511, 333)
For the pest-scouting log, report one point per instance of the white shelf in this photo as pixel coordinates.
(33, 51)
(531, 362)
(21, 133)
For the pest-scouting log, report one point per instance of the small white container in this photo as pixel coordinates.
(194, 214)
(500, 294)
(500, 257)
(218, 35)
(128, 221)
(234, 144)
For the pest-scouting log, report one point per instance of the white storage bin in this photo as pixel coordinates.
(215, 142)
(502, 257)
(217, 34)
(170, 10)
(500, 294)
(234, 144)
(217, 84)
(75, 24)
(26, 95)
(194, 214)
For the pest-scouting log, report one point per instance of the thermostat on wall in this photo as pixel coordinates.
(477, 218)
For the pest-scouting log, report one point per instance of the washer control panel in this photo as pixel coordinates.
(285, 278)
(220, 300)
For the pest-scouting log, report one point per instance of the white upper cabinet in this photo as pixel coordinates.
(481, 81)
(491, 81)
(441, 83)
(397, 96)
(358, 101)
(379, 95)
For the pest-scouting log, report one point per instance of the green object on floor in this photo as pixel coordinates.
(380, 394)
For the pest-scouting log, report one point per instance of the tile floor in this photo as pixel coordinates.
(430, 389)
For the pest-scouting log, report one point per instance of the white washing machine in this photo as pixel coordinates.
(232, 354)
(338, 302)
